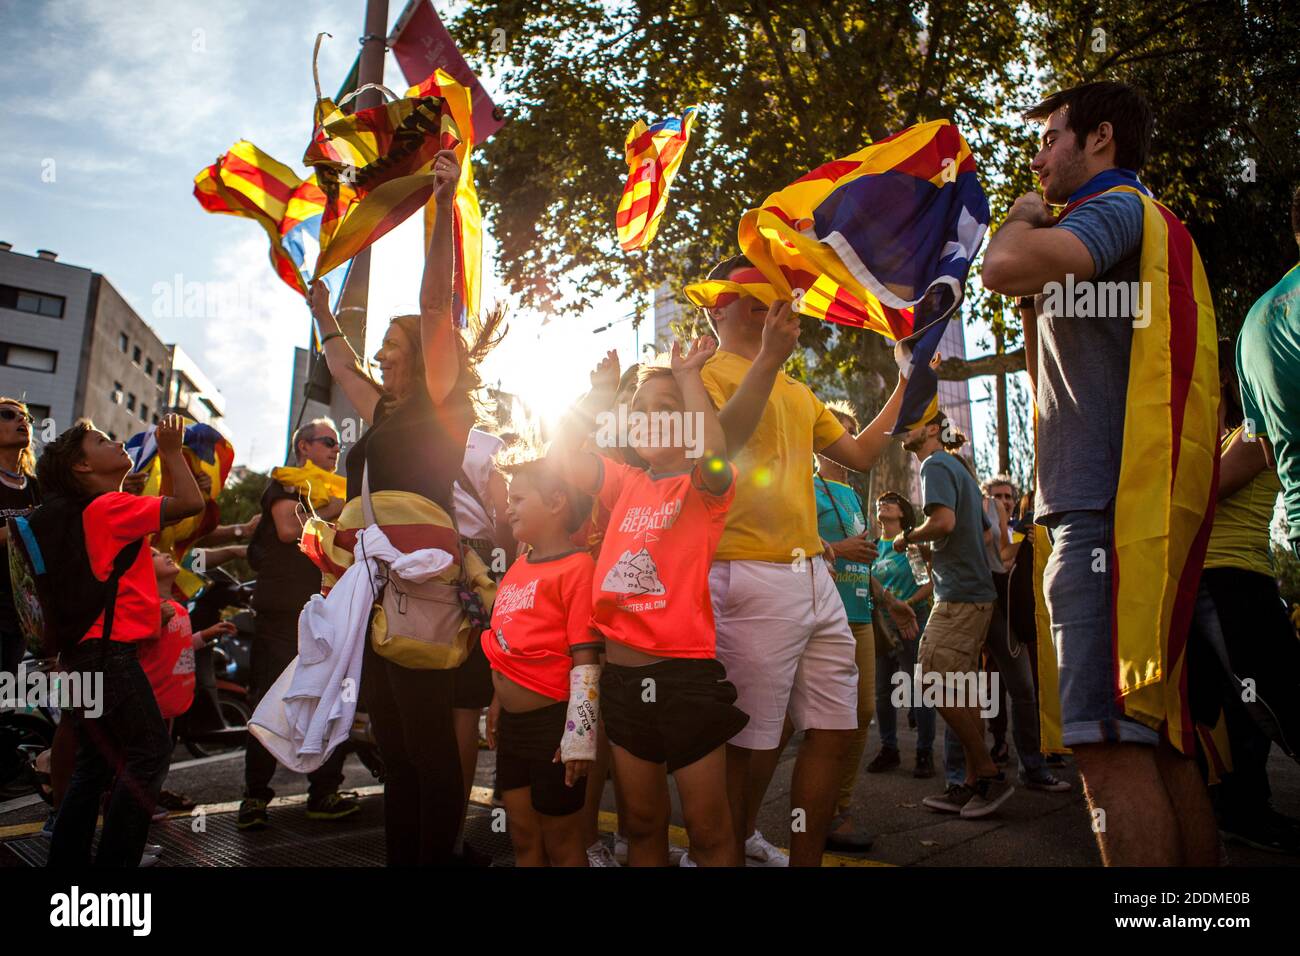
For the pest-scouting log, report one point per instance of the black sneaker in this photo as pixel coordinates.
(951, 800)
(887, 759)
(924, 768)
(990, 793)
(252, 814)
(332, 806)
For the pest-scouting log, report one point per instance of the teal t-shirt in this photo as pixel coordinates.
(961, 570)
(1268, 365)
(839, 516)
(893, 571)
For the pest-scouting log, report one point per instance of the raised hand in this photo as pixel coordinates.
(780, 332)
(604, 378)
(170, 433)
(319, 297)
(446, 173)
(699, 352)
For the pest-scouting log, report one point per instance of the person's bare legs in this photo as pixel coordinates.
(1132, 815)
(562, 837)
(968, 725)
(739, 761)
(466, 723)
(595, 784)
(814, 786)
(646, 808)
(524, 825)
(1193, 811)
(707, 811)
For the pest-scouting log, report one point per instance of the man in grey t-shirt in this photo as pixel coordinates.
(1082, 303)
(964, 595)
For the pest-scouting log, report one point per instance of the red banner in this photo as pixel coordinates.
(422, 44)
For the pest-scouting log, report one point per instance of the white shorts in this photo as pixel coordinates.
(785, 641)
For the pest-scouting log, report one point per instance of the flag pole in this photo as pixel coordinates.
(353, 301)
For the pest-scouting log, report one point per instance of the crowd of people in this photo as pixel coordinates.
(660, 613)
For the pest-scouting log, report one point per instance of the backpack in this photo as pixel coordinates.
(56, 594)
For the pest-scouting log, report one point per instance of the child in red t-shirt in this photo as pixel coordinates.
(545, 670)
(667, 703)
(168, 660)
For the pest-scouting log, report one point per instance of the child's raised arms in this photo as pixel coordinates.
(686, 368)
(581, 468)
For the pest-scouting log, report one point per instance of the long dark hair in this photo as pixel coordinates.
(26, 460)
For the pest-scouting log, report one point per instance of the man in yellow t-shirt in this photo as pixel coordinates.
(782, 632)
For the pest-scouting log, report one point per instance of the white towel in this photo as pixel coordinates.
(310, 708)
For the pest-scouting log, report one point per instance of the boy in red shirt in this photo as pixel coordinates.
(545, 662)
(668, 707)
(83, 465)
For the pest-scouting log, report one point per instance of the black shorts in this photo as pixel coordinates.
(474, 679)
(526, 745)
(686, 713)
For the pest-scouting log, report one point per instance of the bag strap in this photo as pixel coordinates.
(463, 481)
(368, 512)
(121, 564)
(838, 517)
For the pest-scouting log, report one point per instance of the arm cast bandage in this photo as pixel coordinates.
(579, 739)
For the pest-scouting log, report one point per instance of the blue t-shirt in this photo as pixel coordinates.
(1085, 338)
(892, 570)
(1268, 365)
(839, 516)
(961, 571)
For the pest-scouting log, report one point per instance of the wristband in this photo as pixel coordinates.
(578, 742)
(332, 335)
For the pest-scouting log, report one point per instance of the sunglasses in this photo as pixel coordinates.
(9, 415)
(327, 440)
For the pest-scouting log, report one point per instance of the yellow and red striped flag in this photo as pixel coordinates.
(653, 154)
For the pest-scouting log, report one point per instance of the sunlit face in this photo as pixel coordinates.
(887, 509)
(1060, 164)
(1003, 495)
(164, 565)
(322, 449)
(15, 426)
(658, 394)
(531, 517)
(915, 439)
(103, 456)
(396, 360)
(744, 313)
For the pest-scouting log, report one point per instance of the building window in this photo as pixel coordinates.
(135, 355)
(148, 366)
(130, 401)
(122, 342)
(20, 356)
(117, 393)
(155, 419)
(37, 303)
(162, 383)
(144, 412)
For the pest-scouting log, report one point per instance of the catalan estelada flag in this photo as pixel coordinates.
(653, 155)
(881, 240)
(385, 155)
(1168, 479)
(247, 182)
(207, 452)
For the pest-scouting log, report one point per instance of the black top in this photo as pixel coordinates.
(286, 578)
(14, 503)
(413, 446)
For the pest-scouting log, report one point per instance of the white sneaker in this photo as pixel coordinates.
(685, 859)
(620, 849)
(598, 855)
(758, 852)
(676, 854)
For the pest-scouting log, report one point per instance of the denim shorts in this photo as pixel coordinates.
(1081, 604)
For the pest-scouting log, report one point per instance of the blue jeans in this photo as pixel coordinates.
(127, 746)
(1078, 589)
(903, 660)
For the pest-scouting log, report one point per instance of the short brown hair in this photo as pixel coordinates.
(1089, 105)
(54, 470)
(547, 478)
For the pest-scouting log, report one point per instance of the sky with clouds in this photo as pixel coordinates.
(112, 107)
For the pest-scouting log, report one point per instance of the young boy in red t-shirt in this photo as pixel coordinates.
(545, 661)
(668, 706)
(85, 465)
